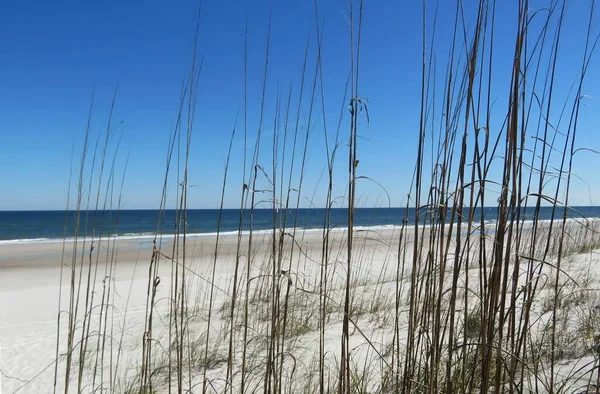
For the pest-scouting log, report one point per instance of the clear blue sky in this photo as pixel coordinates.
(55, 54)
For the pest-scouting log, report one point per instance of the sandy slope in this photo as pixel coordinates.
(29, 294)
(30, 274)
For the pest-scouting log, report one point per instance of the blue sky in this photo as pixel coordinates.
(56, 54)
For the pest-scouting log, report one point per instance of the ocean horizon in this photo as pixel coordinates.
(54, 225)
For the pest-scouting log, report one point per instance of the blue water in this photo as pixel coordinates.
(19, 226)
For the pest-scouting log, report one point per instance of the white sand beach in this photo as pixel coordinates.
(30, 277)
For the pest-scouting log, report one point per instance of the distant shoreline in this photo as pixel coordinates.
(168, 236)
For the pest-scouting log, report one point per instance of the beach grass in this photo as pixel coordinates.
(452, 303)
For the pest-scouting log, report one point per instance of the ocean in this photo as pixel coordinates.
(41, 226)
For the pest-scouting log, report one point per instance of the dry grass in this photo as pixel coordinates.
(448, 302)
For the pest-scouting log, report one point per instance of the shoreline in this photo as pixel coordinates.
(148, 237)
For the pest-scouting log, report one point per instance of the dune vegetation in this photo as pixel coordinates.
(448, 302)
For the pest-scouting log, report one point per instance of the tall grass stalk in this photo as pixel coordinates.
(449, 301)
